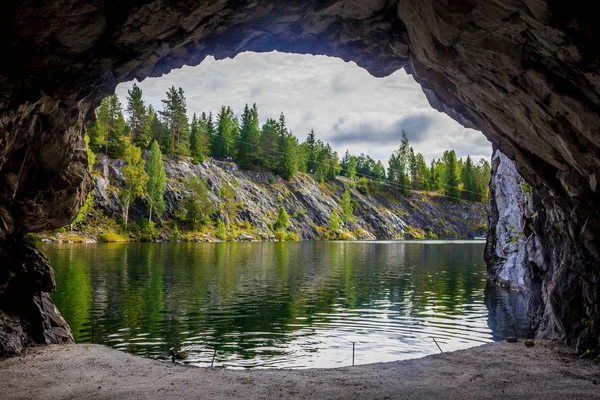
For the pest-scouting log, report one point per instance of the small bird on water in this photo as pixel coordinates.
(180, 355)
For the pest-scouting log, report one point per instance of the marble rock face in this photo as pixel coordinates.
(524, 72)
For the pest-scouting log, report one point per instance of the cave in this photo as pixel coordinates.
(525, 73)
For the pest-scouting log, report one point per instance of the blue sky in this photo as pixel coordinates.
(342, 102)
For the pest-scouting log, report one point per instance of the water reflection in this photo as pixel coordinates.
(281, 304)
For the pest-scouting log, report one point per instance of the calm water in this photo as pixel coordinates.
(282, 304)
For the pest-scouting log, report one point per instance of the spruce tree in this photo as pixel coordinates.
(269, 143)
(195, 145)
(137, 117)
(451, 178)
(245, 151)
(218, 146)
(311, 147)
(286, 165)
(175, 121)
(157, 181)
(116, 128)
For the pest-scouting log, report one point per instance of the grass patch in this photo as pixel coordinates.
(113, 237)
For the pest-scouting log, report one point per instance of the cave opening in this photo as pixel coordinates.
(525, 75)
(353, 115)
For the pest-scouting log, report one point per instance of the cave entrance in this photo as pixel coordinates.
(356, 119)
(523, 75)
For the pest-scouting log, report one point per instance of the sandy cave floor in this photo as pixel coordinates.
(498, 371)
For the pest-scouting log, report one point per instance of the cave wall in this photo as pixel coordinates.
(524, 72)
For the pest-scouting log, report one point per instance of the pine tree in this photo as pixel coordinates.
(451, 178)
(311, 147)
(245, 150)
(218, 146)
(268, 144)
(467, 177)
(157, 181)
(211, 132)
(398, 166)
(286, 165)
(137, 117)
(195, 145)
(116, 127)
(134, 178)
(175, 121)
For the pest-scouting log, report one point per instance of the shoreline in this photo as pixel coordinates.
(509, 370)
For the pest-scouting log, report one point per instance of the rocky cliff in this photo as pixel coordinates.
(511, 207)
(257, 196)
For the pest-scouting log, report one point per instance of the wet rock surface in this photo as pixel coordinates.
(27, 315)
(523, 72)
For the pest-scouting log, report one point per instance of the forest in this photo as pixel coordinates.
(272, 146)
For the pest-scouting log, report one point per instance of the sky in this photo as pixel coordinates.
(342, 102)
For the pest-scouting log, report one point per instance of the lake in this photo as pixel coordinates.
(300, 304)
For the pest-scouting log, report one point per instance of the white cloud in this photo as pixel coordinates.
(343, 103)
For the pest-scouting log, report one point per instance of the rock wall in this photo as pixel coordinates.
(511, 205)
(27, 315)
(524, 72)
(259, 195)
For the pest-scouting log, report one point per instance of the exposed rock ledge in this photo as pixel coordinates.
(499, 370)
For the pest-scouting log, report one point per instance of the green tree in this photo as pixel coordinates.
(483, 173)
(155, 127)
(195, 144)
(347, 208)
(351, 168)
(175, 121)
(111, 126)
(268, 144)
(196, 206)
(225, 137)
(286, 151)
(134, 178)
(398, 166)
(311, 148)
(470, 188)
(451, 178)
(221, 231)
(282, 220)
(140, 134)
(157, 181)
(334, 221)
(248, 143)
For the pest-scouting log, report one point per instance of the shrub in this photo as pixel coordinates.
(111, 237)
(271, 180)
(526, 189)
(363, 185)
(282, 220)
(175, 232)
(280, 235)
(292, 237)
(221, 232)
(334, 221)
